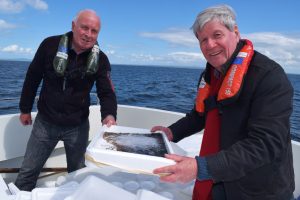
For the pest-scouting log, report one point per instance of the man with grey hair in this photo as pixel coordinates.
(69, 65)
(244, 103)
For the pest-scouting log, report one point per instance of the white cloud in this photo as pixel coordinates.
(14, 48)
(144, 58)
(283, 48)
(110, 52)
(187, 58)
(183, 37)
(269, 38)
(16, 6)
(5, 25)
(38, 4)
(9, 6)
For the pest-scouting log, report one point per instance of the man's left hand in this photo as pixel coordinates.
(183, 171)
(109, 120)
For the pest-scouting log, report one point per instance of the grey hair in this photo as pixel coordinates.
(222, 13)
(85, 10)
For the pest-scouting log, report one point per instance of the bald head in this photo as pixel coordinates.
(85, 12)
(85, 27)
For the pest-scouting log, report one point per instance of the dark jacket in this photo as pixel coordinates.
(255, 161)
(69, 106)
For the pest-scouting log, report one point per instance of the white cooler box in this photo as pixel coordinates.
(132, 149)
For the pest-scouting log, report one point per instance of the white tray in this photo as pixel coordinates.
(97, 154)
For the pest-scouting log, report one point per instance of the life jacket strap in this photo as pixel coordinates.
(210, 103)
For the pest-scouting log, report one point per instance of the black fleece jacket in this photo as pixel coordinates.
(65, 100)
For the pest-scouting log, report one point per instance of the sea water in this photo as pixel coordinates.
(166, 88)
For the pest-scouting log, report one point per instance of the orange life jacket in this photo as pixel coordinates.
(233, 79)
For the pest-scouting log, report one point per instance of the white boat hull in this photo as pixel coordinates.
(14, 137)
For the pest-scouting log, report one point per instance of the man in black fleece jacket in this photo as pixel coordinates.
(68, 66)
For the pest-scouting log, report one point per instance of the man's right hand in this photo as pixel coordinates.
(25, 119)
(166, 130)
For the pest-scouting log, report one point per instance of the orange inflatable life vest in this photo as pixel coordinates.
(233, 79)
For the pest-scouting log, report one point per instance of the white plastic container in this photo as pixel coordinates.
(13, 188)
(120, 178)
(93, 188)
(147, 185)
(4, 191)
(136, 163)
(51, 193)
(131, 186)
(148, 195)
(23, 195)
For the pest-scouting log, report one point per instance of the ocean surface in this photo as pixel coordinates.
(166, 88)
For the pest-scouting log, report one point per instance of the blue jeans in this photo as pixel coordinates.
(43, 139)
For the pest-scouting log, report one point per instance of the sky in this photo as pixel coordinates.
(151, 32)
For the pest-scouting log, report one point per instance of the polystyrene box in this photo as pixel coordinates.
(94, 188)
(103, 149)
(56, 193)
(148, 195)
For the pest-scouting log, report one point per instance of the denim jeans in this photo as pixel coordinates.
(43, 139)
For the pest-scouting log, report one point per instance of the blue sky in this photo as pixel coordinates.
(151, 32)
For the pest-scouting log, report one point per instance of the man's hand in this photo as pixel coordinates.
(109, 120)
(166, 130)
(185, 169)
(25, 119)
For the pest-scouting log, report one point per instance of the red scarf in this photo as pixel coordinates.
(210, 141)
